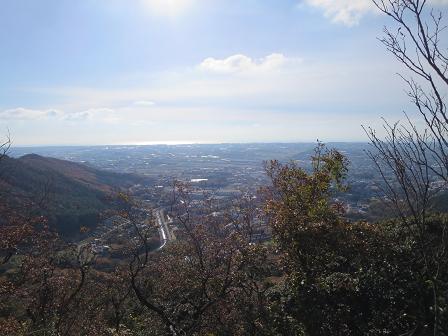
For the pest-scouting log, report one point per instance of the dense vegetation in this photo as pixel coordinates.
(70, 195)
(322, 275)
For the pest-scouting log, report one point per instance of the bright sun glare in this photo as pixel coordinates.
(170, 8)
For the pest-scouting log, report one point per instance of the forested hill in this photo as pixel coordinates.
(70, 194)
(90, 177)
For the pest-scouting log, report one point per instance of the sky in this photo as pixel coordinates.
(93, 72)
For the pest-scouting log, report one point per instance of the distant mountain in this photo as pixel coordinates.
(70, 194)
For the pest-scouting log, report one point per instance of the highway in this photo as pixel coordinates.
(164, 231)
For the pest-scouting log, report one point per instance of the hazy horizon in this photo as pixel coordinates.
(187, 144)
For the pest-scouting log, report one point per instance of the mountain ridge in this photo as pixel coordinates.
(73, 195)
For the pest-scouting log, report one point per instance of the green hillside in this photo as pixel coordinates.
(71, 195)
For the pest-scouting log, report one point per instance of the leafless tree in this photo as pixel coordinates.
(413, 156)
(416, 156)
(189, 286)
(5, 146)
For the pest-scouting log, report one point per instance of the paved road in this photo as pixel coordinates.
(164, 231)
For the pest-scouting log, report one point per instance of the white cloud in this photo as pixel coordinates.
(241, 63)
(94, 114)
(21, 113)
(168, 8)
(78, 116)
(144, 103)
(350, 12)
(347, 12)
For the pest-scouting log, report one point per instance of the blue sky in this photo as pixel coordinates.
(173, 71)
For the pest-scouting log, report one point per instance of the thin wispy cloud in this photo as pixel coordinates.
(234, 89)
(350, 12)
(144, 103)
(26, 114)
(243, 64)
(93, 114)
(21, 113)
